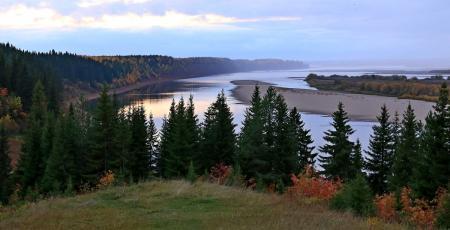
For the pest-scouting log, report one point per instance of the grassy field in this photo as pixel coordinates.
(180, 205)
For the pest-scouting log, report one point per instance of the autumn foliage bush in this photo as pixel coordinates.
(106, 180)
(418, 212)
(220, 173)
(308, 184)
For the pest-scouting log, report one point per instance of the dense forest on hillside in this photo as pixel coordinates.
(20, 70)
(394, 86)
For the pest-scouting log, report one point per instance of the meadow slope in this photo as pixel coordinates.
(180, 205)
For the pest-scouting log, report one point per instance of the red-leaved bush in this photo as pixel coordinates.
(308, 184)
(220, 173)
(385, 206)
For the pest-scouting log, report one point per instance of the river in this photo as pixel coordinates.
(157, 98)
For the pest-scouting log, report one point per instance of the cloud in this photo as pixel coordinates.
(91, 3)
(22, 17)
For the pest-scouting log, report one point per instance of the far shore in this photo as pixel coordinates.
(358, 106)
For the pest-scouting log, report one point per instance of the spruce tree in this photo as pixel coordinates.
(218, 142)
(357, 160)
(433, 163)
(251, 144)
(380, 154)
(56, 170)
(286, 158)
(5, 167)
(179, 140)
(102, 154)
(406, 153)
(31, 165)
(139, 158)
(167, 137)
(338, 149)
(153, 148)
(302, 140)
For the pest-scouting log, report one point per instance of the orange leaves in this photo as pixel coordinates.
(385, 206)
(220, 173)
(106, 180)
(308, 185)
(419, 212)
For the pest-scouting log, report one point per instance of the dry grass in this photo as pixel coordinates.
(180, 205)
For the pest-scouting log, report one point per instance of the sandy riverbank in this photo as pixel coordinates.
(358, 106)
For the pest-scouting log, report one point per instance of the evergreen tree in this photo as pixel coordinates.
(5, 167)
(433, 164)
(218, 143)
(302, 140)
(179, 140)
(63, 165)
(139, 158)
(380, 154)
(56, 170)
(405, 157)
(102, 154)
(357, 160)
(167, 137)
(31, 166)
(122, 142)
(339, 148)
(285, 156)
(153, 148)
(251, 144)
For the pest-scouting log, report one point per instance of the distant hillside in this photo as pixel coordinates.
(180, 205)
(20, 70)
(134, 68)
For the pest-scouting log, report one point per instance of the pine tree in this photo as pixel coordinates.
(380, 154)
(122, 142)
(357, 161)
(179, 140)
(139, 158)
(218, 143)
(102, 154)
(405, 157)
(339, 148)
(167, 137)
(285, 156)
(153, 147)
(251, 144)
(56, 170)
(303, 140)
(5, 167)
(433, 164)
(31, 166)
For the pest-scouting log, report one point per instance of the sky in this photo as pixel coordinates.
(314, 30)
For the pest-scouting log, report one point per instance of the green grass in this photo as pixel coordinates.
(180, 205)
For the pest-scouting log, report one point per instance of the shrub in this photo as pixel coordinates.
(308, 184)
(418, 211)
(386, 207)
(220, 173)
(355, 196)
(106, 180)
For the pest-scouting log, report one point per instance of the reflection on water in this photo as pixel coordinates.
(157, 98)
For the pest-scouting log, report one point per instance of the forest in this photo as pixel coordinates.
(21, 69)
(394, 86)
(403, 176)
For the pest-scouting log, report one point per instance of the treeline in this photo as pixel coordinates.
(141, 67)
(395, 86)
(69, 152)
(21, 69)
